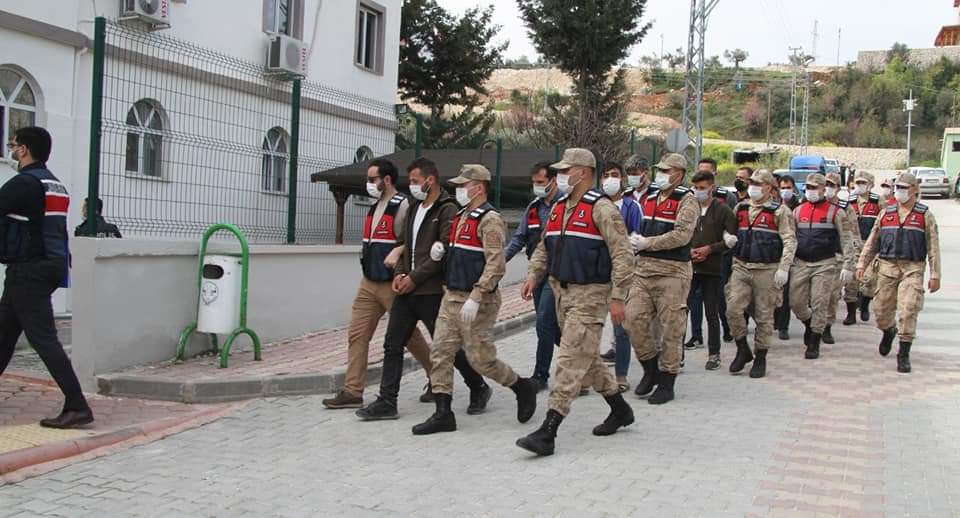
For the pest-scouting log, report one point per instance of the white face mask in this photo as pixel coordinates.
(564, 185)
(703, 195)
(662, 180)
(812, 196)
(540, 191)
(611, 186)
(755, 192)
(859, 189)
(373, 191)
(463, 196)
(885, 192)
(633, 180)
(417, 192)
(831, 192)
(786, 194)
(902, 195)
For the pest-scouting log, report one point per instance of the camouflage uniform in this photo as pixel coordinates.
(475, 337)
(851, 228)
(868, 286)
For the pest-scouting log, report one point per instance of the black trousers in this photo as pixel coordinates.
(405, 312)
(25, 307)
(711, 289)
(781, 315)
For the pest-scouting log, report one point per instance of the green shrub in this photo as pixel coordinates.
(712, 134)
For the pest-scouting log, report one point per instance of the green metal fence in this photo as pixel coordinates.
(184, 136)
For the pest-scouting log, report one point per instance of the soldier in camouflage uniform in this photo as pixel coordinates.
(662, 279)
(850, 227)
(766, 242)
(821, 231)
(869, 207)
(586, 254)
(471, 300)
(904, 237)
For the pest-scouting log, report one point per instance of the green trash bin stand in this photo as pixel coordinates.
(221, 297)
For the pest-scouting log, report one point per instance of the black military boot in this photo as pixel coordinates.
(664, 392)
(442, 420)
(813, 349)
(865, 308)
(807, 332)
(903, 357)
(526, 391)
(827, 336)
(759, 368)
(621, 415)
(886, 343)
(743, 357)
(542, 440)
(478, 399)
(851, 314)
(651, 370)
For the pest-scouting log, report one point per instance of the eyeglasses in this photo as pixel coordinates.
(11, 145)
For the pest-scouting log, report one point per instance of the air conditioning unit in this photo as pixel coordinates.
(286, 56)
(155, 13)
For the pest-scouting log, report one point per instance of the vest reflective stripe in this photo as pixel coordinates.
(534, 227)
(466, 261)
(16, 232)
(379, 241)
(577, 254)
(867, 214)
(660, 218)
(758, 241)
(817, 235)
(906, 241)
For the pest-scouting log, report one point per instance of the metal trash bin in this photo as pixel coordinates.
(218, 310)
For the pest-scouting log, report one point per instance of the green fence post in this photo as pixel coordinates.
(653, 153)
(633, 142)
(418, 142)
(496, 200)
(294, 157)
(96, 120)
(556, 153)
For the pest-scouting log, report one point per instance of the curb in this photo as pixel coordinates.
(244, 388)
(28, 462)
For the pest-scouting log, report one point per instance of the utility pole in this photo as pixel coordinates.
(661, 49)
(694, 78)
(797, 60)
(805, 122)
(816, 36)
(769, 104)
(908, 106)
(839, 33)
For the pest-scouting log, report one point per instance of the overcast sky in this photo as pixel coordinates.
(766, 28)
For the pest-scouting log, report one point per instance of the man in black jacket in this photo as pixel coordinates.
(103, 229)
(418, 283)
(33, 245)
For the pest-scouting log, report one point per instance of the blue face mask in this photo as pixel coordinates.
(787, 194)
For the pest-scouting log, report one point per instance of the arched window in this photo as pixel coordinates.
(363, 154)
(274, 168)
(18, 104)
(144, 153)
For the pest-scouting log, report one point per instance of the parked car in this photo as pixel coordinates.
(832, 165)
(932, 181)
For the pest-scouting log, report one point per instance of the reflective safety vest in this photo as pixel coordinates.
(534, 226)
(379, 241)
(577, 253)
(465, 260)
(758, 241)
(660, 218)
(907, 240)
(818, 237)
(18, 232)
(867, 213)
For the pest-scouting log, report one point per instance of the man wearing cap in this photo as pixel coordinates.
(471, 301)
(868, 207)
(904, 238)
(638, 178)
(587, 256)
(766, 242)
(662, 279)
(886, 193)
(820, 235)
(850, 227)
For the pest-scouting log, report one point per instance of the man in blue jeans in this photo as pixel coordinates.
(527, 237)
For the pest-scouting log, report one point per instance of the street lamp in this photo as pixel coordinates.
(499, 144)
(401, 110)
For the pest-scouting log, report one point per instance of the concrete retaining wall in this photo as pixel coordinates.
(133, 297)
(877, 59)
(864, 158)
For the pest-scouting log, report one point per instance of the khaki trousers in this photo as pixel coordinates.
(811, 286)
(660, 299)
(899, 298)
(753, 286)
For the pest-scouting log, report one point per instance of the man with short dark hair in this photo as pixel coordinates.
(527, 237)
(33, 245)
(382, 234)
(418, 285)
(103, 229)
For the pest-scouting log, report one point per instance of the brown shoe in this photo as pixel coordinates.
(69, 419)
(343, 399)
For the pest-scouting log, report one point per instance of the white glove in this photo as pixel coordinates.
(437, 251)
(638, 242)
(469, 310)
(846, 276)
(729, 239)
(780, 278)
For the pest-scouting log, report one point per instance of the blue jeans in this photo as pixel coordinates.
(548, 328)
(623, 350)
